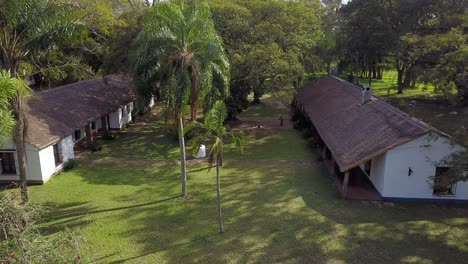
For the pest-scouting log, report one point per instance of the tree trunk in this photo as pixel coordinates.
(379, 73)
(194, 98)
(400, 81)
(370, 76)
(182, 156)
(17, 104)
(257, 95)
(407, 80)
(218, 192)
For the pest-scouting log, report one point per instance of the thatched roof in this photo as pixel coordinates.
(56, 113)
(355, 133)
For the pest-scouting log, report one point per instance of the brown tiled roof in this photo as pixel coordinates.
(56, 113)
(355, 133)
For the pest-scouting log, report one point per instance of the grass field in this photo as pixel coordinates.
(388, 87)
(283, 213)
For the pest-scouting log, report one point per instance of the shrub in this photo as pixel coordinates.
(109, 136)
(134, 114)
(96, 146)
(296, 116)
(21, 240)
(312, 142)
(307, 133)
(69, 164)
(143, 111)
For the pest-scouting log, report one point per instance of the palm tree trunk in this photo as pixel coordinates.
(218, 191)
(182, 157)
(194, 98)
(20, 147)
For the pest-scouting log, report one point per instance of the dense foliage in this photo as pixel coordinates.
(423, 40)
(268, 43)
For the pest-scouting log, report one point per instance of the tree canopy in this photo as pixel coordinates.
(268, 44)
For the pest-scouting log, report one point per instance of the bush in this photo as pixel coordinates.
(307, 133)
(22, 241)
(296, 116)
(143, 111)
(96, 146)
(312, 142)
(69, 164)
(134, 114)
(109, 136)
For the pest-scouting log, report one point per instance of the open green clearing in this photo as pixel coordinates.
(387, 86)
(286, 213)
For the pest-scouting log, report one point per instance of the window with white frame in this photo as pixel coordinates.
(8, 164)
(57, 155)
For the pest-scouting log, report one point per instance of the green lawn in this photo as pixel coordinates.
(388, 87)
(273, 214)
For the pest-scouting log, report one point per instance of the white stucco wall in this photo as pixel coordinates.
(419, 155)
(114, 119)
(47, 159)
(128, 117)
(8, 145)
(33, 168)
(377, 172)
(66, 148)
(117, 119)
(41, 163)
(98, 122)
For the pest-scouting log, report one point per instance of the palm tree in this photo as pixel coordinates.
(12, 93)
(29, 27)
(213, 130)
(179, 52)
(9, 89)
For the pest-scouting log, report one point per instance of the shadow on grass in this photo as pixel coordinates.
(272, 214)
(294, 215)
(152, 141)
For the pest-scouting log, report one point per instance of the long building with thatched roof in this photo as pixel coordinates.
(366, 141)
(59, 118)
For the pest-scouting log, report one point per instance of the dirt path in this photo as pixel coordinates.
(200, 161)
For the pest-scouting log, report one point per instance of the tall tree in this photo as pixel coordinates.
(268, 43)
(9, 89)
(213, 131)
(180, 52)
(26, 28)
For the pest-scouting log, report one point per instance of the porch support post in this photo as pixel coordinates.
(89, 134)
(345, 184)
(105, 124)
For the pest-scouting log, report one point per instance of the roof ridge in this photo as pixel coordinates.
(96, 78)
(394, 109)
